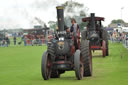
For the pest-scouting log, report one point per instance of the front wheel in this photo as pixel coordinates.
(46, 66)
(78, 65)
(87, 57)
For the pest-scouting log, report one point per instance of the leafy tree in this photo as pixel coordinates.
(70, 6)
(52, 24)
(117, 21)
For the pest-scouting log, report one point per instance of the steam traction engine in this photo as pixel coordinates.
(62, 54)
(95, 34)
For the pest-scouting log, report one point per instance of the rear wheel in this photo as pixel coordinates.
(87, 57)
(107, 48)
(78, 65)
(46, 66)
(103, 48)
(105, 38)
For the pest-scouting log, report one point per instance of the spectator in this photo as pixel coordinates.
(3, 42)
(25, 41)
(111, 38)
(7, 41)
(30, 41)
(40, 41)
(114, 36)
(14, 40)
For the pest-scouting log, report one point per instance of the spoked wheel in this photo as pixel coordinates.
(107, 48)
(105, 43)
(103, 48)
(90, 62)
(107, 52)
(78, 65)
(46, 66)
(87, 57)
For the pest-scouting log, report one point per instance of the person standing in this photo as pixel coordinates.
(14, 40)
(7, 41)
(40, 41)
(75, 30)
(25, 41)
(111, 37)
(75, 27)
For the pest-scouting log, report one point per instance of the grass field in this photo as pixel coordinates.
(21, 65)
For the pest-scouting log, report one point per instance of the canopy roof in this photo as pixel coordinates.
(96, 18)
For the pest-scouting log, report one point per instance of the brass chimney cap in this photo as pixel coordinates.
(60, 7)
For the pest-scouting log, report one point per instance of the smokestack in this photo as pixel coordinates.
(92, 22)
(60, 17)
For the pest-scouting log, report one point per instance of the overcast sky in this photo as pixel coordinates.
(21, 13)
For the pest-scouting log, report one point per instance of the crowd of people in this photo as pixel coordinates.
(118, 37)
(26, 40)
(4, 42)
(34, 40)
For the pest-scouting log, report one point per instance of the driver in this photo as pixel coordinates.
(76, 32)
(75, 27)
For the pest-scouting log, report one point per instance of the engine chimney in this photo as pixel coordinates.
(92, 20)
(60, 18)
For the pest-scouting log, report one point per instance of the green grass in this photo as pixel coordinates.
(21, 65)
